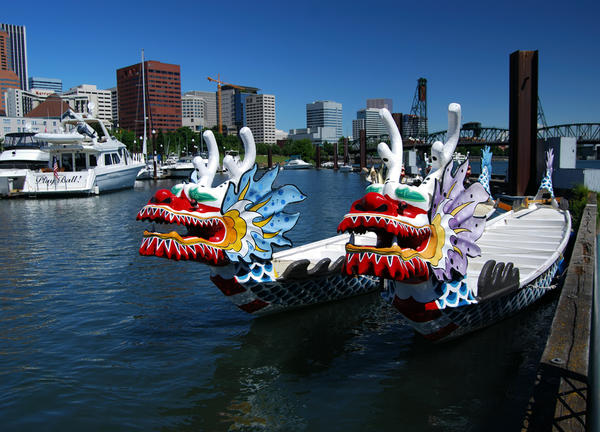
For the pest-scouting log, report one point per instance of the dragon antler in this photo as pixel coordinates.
(441, 153)
(391, 158)
(234, 169)
(207, 170)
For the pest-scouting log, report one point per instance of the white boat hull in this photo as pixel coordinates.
(533, 240)
(294, 278)
(80, 182)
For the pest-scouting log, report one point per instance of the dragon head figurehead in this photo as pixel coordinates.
(239, 220)
(421, 230)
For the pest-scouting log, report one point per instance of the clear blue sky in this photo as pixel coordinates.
(342, 51)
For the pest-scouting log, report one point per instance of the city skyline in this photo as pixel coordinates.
(302, 56)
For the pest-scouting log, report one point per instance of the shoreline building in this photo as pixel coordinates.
(4, 50)
(163, 96)
(193, 112)
(380, 103)
(100, 98)
(260, 117)
(37, 83)
(8, 80)
(17, 52)
(233, 106)
(114, 105)
(324, 121)
(210, 106)
(20, 102)
(369, 120)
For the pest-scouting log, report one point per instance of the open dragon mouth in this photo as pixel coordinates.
(198, 232)
(402, 252)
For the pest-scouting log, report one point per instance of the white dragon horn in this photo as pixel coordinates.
(391, 158)
(441, 154)
(235, 171)
(207, 171)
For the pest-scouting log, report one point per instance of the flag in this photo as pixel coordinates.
(55, 169)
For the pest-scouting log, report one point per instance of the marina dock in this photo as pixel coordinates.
(564, 397)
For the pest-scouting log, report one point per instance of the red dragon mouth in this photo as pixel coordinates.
(402, 251)
(199, 231)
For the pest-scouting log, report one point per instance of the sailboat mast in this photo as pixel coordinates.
(144, 147)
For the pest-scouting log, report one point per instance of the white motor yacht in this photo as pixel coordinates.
(82, 161)
(21, 154)
(179, 168)
(297, 164)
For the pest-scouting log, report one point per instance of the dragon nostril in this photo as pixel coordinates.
(382, 208)
(402, 206)
(359, 207)
(167, 201)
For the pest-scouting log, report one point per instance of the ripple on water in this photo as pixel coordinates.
(94, 336)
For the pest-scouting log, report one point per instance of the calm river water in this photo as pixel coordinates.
(95, 337)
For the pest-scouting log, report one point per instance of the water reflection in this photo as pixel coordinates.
(92, 335)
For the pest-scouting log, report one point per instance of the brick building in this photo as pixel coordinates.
(163, 96)
(8, 79)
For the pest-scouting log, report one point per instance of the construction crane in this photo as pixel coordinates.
(219, 84)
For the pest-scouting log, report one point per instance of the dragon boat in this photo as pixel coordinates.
(234, 227)
(446, 267)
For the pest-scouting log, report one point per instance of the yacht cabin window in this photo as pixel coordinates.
(66, 161)
(93, 162)
(80, 162)
(107, 159)
(115, 158)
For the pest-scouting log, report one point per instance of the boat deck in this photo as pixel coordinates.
(531, 239)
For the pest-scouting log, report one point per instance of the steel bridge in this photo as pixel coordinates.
(472, 134)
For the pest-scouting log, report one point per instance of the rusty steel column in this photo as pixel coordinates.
(318, 156)
(335, 156)
(523, 122)
(363, 149)
(270, 158)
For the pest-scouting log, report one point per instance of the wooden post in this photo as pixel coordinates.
(318, 156)
(363, 149)
(270, 158)
(523, 122)
(346, 151)
(335, 156)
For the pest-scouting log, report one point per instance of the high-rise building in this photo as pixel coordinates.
(163, 96)
(193, 112)
(210, 106)
(381, 103)
(46, 83)
(17, 58)
(369, 120)
(8, 80)
(114, 105)
(101, 100)
(325, 114)
(4, 50)
(260, 117)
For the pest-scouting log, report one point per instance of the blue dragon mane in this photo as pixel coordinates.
(261, 206)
